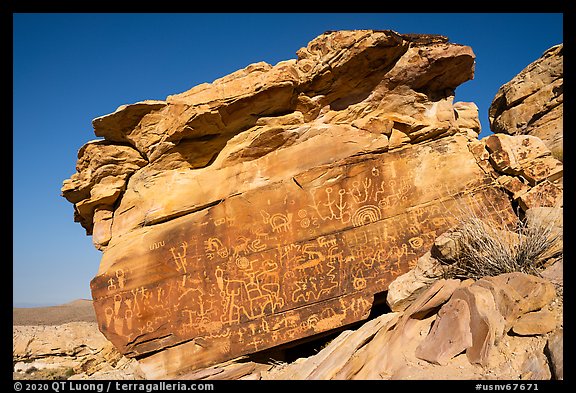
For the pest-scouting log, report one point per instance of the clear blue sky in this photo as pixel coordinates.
(71, 68)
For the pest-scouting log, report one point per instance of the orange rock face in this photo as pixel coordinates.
(532, 103)
(281, 262)
(274, 203)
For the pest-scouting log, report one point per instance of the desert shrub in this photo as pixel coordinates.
(489, 246)
(558, 153)
(31, 370)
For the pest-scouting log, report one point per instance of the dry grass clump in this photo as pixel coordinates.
(487, 246)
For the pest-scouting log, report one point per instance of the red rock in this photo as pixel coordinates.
(450, 334)
(543, 168)
(486, 323)
(514, 186)
(545, 194)
(508, 302)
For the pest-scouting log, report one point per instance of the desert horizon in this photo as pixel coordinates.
(78, 310)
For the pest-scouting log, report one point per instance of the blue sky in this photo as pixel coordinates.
(70, 68)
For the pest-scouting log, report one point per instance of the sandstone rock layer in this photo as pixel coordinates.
(274, 203)
(532, 102)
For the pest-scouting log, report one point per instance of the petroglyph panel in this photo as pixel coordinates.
(287, 261)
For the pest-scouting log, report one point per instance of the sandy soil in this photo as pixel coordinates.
(76, 311)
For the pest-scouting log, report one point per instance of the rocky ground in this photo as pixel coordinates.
(62, 342)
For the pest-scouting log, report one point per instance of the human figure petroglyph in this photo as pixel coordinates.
(120, 276)
(117, 303)
(179, 257)
(240, 332)
(257, 289)
(108, 313)
(128, 314)
(144, 293)
(219, 274)
(111, 285)
(361, 196)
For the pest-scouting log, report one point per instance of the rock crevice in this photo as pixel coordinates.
(272, 204)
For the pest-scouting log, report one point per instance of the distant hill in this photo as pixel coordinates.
(79, 310)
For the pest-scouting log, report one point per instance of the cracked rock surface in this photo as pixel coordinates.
(272, 204)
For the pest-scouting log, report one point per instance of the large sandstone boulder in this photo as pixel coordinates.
(532, 103)
(274, 203)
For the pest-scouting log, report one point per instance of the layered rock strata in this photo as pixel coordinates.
(275, 202)
(532, 103)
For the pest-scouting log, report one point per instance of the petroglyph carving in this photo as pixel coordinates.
(304, 220)
(179, 257)
(281, 222)
(326, 241)
(157, 245)
(121, 278)
(111, 285)
(257, 290)
(215, 245)
(361, 196)
(366, 215)
(273, 278)
(278, 222)
(416, 242)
